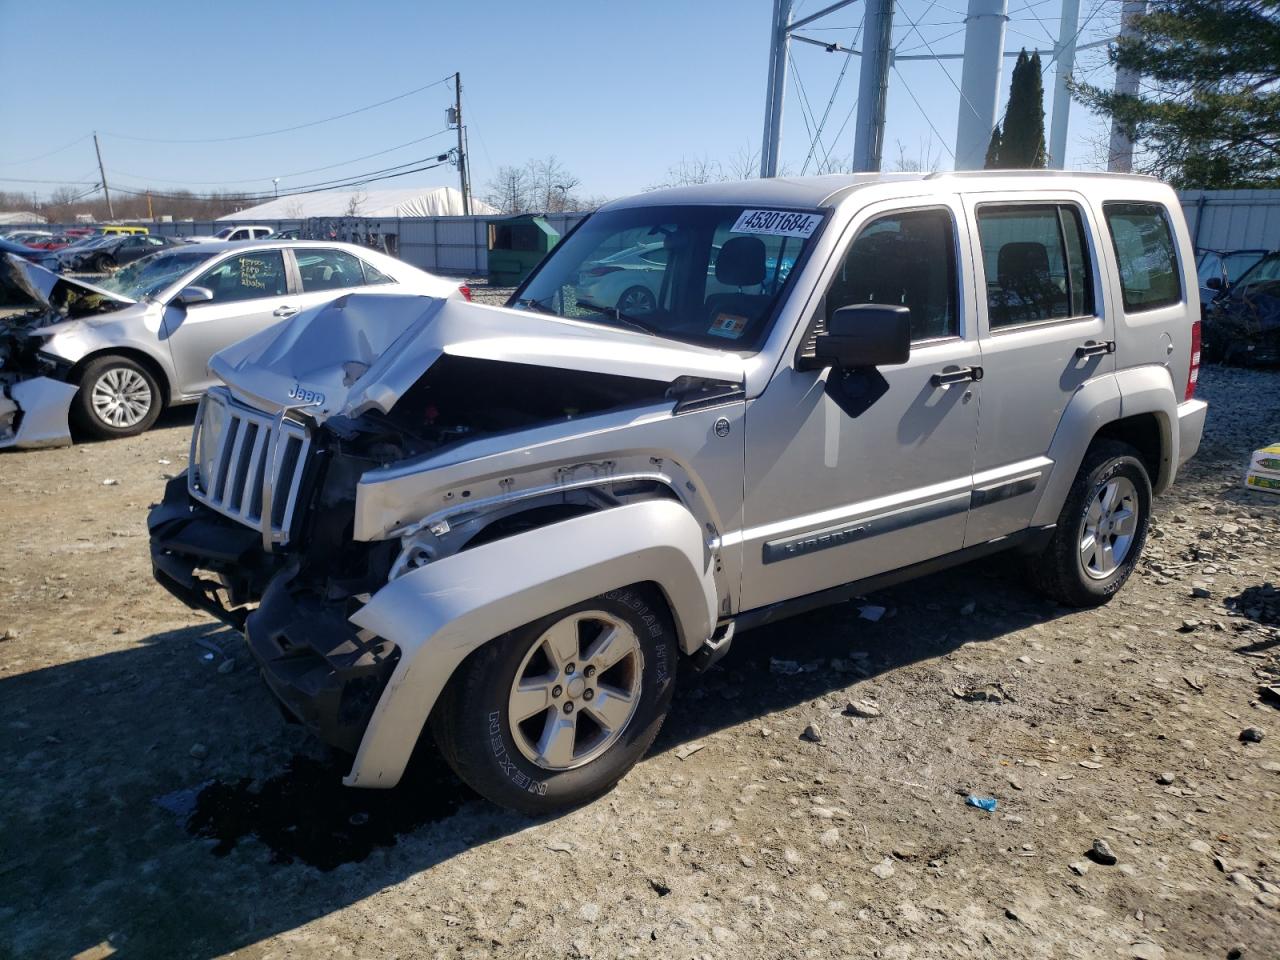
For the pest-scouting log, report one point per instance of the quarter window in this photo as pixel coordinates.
(373, 275)
(247, 277)
(1144, 251)
(904, 259)
(328, 270)
(1036, 264)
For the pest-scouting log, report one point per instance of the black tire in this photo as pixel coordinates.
(1060, 571)
(103, 370)
(471, 720)
(102, 264)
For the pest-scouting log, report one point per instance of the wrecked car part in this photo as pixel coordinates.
(34, 413)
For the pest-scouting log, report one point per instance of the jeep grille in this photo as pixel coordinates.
(247, 464)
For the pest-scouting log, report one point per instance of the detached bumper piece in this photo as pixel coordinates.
(328, 675)
(34, 413)
(208, 562)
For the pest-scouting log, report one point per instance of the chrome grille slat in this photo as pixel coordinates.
(259, 460)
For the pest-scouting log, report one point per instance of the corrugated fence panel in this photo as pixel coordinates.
(1233, 219)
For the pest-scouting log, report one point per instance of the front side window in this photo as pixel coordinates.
(704, 274)
(904, 259)
(247, 277)
(328, 270)
(1144, 252)
(1036, 263)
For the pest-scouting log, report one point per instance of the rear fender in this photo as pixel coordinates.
(439, 613)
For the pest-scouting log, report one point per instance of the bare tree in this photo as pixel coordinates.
(690, 171)
(924, 161)
(744, 165)
(552, 184)
(355, 202)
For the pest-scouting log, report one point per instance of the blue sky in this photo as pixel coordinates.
(619, 92)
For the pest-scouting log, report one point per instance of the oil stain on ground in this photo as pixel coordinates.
(306, 814)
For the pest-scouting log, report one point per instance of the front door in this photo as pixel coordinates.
(853, 474)
(1045, 331)
(250, 293)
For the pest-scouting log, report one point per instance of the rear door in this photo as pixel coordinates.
(251, 291)
(326, 274)
(1046, 328)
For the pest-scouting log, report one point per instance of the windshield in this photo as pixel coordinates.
(148, 276)
(710, 275)
(1268, 268)
(224, 233)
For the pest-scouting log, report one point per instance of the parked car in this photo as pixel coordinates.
(54, 242)
(232, 234)
(515, 527)
(117, 251)
(110, 356)
(120, 230)
(1225, 266)
(20, 250)
(1242, 324)
(26, 237)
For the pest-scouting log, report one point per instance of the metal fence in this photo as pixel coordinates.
(1218, 220)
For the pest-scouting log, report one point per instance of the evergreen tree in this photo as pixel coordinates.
(1208, 113)
(993, 151)
(1021, 145)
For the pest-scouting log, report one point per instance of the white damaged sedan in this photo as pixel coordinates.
(108, 357)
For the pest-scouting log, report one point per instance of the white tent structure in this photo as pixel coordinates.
(400, 202)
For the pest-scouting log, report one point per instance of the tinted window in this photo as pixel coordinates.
(246, 277)
(905, 259)
(328, 270)
(1266, 269)
(1035, 262)
(1144, 251)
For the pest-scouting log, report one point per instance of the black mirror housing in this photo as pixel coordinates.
(865, 335)
(1215, 283)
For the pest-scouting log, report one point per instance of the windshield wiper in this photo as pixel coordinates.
(620, 317)
(537, 305)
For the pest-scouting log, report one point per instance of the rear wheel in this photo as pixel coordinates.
(637, 301)
(1101, 529)
(118, 398)
(555, 713)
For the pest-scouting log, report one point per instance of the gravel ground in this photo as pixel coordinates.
(154, 803)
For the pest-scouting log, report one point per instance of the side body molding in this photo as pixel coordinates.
(439, 613)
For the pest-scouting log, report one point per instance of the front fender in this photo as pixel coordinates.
(439, 613)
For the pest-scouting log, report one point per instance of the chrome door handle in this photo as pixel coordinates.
(944, 378)
(283, 312)
(1095, 348)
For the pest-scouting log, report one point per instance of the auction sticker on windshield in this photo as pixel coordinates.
(777, 223)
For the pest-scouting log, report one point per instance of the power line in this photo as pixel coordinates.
(283, 176)
(814, 144)
(66, 146)
(299, 126)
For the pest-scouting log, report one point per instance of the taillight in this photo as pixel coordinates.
(466, 292)
(1193, 371)
(600, 271)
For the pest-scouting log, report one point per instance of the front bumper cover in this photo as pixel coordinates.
(36, 413)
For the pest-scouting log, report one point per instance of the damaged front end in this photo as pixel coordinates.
(35, 397)
(266, 531)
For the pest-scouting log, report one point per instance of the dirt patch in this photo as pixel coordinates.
(736, 837)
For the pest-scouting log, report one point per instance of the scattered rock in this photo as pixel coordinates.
(830, 838)
(226, 666)
(968, 608)
(871, 612)
(1102, 853)
(1165, 777)
(818, 892)
(199, 751)
(687, 750)
(1199, 846)
(1080, 867)
(590, 912)
(783, 668)
(884, 869)
(9, 634)
(111, 482)
(1188, 626)
(812, 733)
(862, 708)
(358, 819)
(559, 846)
(987, 693)
(1146, 950)
(1236, 952)
(1251, 735)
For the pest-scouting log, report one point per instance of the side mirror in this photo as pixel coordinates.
(865, 335)
(1215, 283)
(190, 295)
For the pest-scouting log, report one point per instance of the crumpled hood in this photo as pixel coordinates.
(363, 351)
(64, 294)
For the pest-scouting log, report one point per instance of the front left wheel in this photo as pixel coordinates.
(554, 713)
(118, 397)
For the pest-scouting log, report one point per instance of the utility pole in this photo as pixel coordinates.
(111, 213)
(779, 40)
(464, 174)
(873, 86)
(1065, 53)
(1120, 152)
(980, 80)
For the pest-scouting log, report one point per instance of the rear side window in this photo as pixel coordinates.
(373, 275)
(1144, 250)
(1036, 263)
(328, 270)
(904, 259)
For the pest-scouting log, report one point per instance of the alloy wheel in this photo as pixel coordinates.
(122, 397)
(1110, 524)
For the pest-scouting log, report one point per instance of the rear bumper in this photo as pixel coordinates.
(35, 413)
(1191, 416)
